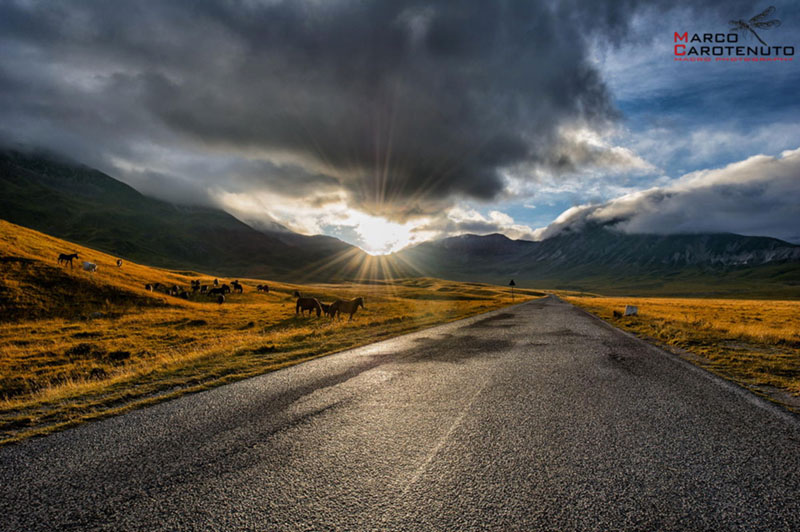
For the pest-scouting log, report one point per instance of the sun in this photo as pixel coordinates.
(379, 236)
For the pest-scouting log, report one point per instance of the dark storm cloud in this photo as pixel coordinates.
(405, 106)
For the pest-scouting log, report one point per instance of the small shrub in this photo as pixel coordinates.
(264, 349)
(97, 373)
(87, 335)
(80, 350)
(118, 356)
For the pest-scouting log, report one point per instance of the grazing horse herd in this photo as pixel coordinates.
(198, 288)
(303, 304)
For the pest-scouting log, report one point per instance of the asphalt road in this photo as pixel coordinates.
(536, 417)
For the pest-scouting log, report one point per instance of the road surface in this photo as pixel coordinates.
(535, 417)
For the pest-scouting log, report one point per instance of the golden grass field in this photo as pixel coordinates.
(76, 346)
(753, 342)
(62, 363)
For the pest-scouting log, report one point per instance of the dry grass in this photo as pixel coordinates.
(753, 342)
(60, 366)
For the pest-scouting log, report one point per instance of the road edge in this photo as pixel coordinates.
(773, 406)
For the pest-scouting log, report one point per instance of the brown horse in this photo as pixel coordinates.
(326, 309)
(347, 307)
(307, 304)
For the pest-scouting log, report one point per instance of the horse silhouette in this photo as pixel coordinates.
(308, 304)
(67, 258)
(220, 290)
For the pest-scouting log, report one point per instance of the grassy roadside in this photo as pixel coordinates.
(755, 343)
(57, 373)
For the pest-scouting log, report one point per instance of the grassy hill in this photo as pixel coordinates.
(77, 345)
(33, 285)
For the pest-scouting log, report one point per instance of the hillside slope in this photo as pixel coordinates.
(33, 285)
(86, 206)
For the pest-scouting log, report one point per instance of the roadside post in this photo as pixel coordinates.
(512, 284)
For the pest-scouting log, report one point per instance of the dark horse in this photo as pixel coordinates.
(67, 258)
(347, 307)
(308, 304)
(220, 290)
(326, 309)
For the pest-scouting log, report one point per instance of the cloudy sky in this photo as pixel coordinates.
(391, 122)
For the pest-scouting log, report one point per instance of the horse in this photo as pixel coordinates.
(237, 287)
(204, 289)
(67, 258)
(148, 287)
(119, 263)
(216, 282)
(220, 298)
(326, 309)
(341, 306)
(307, 304)
(263, 288)
(217, 291)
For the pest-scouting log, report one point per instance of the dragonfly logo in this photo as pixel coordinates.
(705, 47)
(758, 22)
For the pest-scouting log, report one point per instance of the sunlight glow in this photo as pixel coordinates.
(380, 236)
(376, 235)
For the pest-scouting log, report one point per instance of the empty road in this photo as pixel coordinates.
(535, 417)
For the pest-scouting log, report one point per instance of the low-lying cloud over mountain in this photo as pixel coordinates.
(757, 196)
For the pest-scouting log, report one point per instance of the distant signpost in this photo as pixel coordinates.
(512, 284)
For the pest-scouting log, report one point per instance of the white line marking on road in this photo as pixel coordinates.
(446, 436)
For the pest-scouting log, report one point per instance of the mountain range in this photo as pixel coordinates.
(608, 261)
(83, 205)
